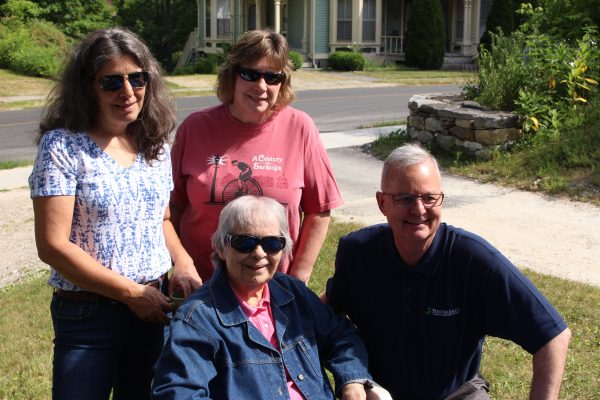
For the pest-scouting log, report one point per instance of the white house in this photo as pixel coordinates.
(317, 28)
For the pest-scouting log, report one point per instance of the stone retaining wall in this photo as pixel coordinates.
(454, 123)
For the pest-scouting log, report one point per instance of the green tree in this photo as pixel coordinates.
(501, 16)
(29, 44)
(425, 37)
(22, 10)
(562, 19)
(163, 24)
(76, 18)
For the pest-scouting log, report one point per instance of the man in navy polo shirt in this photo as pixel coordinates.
(425, 294)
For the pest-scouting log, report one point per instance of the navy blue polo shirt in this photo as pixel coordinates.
(424, 325)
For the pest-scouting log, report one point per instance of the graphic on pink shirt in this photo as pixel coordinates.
(216, 161)
(243, 185)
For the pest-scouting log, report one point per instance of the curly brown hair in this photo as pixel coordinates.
(253, 46)
(72, 104)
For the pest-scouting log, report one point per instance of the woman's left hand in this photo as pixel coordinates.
(354, 391)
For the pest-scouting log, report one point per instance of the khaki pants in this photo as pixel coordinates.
(474, 389)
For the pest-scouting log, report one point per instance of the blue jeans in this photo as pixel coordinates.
(101, 346)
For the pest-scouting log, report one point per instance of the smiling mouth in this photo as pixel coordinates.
(256, 267)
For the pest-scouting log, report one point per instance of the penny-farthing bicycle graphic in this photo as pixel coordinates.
(243, 185)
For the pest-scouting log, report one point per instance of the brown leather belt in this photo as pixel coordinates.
(82, 295)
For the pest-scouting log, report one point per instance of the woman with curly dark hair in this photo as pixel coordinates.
(100, 188)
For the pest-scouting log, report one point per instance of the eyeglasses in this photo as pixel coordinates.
(112, 83)
(246, 243)
(252, 75)
(408, 200)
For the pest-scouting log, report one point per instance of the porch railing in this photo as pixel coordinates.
(393, 44)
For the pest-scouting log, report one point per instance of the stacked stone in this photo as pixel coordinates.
(454, 123)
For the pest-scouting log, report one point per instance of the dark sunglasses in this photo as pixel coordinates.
(112, 83)
(246, 243)
(252, 75)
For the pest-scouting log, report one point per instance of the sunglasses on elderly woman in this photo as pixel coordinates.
(112, 83)
(246, 243)
(252, 75)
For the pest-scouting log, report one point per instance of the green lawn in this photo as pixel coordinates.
(26, 336)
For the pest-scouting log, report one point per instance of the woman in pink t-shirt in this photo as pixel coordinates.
(253, 143)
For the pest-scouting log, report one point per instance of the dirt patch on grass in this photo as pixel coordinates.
(17, 238)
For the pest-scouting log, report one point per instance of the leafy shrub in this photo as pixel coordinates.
(425, 37)
(346, 61)
(502, 72)
(36, 48)
(296, 59)
(206, 64)
(185, 70)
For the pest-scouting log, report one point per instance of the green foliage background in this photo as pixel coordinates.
(35, 35)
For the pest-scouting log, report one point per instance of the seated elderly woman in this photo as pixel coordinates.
(254, 333)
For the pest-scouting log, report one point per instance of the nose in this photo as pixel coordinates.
(126, 89)
(418, 207)
(258, 252)
(262, 83)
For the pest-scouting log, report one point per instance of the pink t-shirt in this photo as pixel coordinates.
(262, 318)
(217, 158)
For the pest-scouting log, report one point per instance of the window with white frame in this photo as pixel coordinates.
(344, 21)
(223, 18)
(368, 21)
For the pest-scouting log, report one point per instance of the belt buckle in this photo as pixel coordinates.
(155, 283)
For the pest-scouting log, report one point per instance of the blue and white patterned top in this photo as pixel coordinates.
(118, 212)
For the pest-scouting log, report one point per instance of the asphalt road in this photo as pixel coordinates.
(331, 109)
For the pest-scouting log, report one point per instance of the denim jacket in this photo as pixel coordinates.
(214, 351)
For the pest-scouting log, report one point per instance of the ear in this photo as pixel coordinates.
(380, 201)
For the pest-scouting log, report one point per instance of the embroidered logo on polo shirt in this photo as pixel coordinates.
(436, 312)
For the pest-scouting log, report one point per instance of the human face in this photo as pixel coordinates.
(413, 227)
(253, 101)
(121, 107)
(249, 272)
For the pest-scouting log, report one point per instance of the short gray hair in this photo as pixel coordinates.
(247, 211)
(405, 156)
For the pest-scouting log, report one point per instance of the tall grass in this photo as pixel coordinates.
(26, 336)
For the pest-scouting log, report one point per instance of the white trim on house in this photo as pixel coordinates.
(462, 18)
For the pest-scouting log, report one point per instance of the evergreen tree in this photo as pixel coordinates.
(425, 36)
(501, 16)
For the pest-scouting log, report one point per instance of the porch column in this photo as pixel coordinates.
(277, 16)
(213, 19)
(467, 19)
